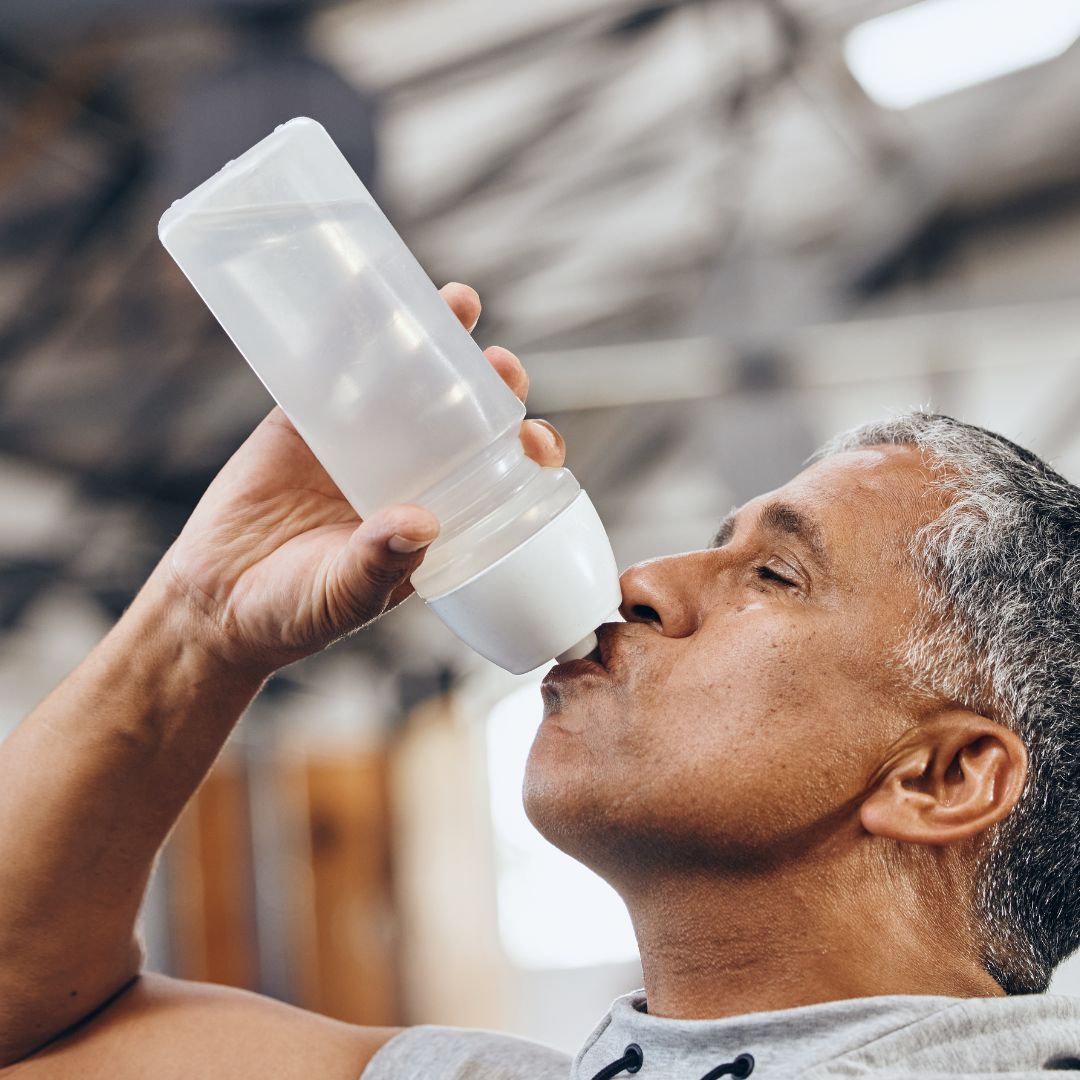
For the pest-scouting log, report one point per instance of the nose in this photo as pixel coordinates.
(665, 593)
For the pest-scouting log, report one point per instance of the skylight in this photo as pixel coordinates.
(934, 47)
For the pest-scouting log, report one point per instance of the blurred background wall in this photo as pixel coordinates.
(716, 230)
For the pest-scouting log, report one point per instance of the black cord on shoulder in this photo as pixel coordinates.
(740, 1068)
(633, 1058)
(630, 1062)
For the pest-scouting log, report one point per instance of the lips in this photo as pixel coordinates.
(575, 668)
(596, 663)
(603, 653)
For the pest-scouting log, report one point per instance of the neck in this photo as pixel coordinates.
(723, 945)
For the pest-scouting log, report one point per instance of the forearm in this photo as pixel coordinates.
(90, 784)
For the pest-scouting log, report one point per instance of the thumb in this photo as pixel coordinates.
(381, 553)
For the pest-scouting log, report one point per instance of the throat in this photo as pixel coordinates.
(725, 947)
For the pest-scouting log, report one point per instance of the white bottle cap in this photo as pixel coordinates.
(541, 600)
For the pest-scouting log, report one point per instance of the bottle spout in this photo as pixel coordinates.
(588, 643)
(581, 649)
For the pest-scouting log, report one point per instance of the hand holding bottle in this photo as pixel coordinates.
(275, 564)
(389, 392)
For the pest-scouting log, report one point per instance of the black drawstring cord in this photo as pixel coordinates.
(633, 1059)
(630, 1061)
(740, 1068)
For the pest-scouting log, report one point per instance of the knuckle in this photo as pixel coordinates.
(384, 576)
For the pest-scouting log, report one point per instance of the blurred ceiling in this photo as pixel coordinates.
(709, 245)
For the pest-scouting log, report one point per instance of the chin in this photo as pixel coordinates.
(575, 814)
(625, 840)
(561, 804)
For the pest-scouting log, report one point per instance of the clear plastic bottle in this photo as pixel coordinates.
(349, 335)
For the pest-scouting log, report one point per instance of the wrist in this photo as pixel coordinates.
(164, 618)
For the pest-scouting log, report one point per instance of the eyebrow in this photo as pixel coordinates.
(779, 518)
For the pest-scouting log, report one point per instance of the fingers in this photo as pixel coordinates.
(540, 440)
(403, 530)
(464, 302)
(380, 555)
(510, 369)
(388, 547)
(543, 443)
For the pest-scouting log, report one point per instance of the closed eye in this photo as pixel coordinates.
(767, 573)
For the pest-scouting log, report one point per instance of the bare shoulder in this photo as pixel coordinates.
(173, 1030)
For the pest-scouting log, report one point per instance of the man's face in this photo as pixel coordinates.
(753, 689)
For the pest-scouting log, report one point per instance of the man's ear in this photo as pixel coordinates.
(946, 780)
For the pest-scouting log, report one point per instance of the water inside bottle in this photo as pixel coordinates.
(312, 295)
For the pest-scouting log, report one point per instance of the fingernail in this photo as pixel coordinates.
(553, 437)
(403, 546)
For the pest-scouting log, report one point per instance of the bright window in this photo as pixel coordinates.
(553, 913)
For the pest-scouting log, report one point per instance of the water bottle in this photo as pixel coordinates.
(315, 288)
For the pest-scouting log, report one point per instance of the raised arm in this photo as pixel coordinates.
(272, 566)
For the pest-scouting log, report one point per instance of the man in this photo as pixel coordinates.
(829, 762)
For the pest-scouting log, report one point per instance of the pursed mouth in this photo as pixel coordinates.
(574, 668)
(595, 663)
(602, 654)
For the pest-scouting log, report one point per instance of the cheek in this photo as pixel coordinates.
(749, 674)
(738, 738)
(766, 717)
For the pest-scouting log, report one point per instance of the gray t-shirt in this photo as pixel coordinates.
(888, 1037)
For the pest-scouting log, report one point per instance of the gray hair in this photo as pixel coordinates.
(999, 633)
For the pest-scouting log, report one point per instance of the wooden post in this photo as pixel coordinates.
(210, 881)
